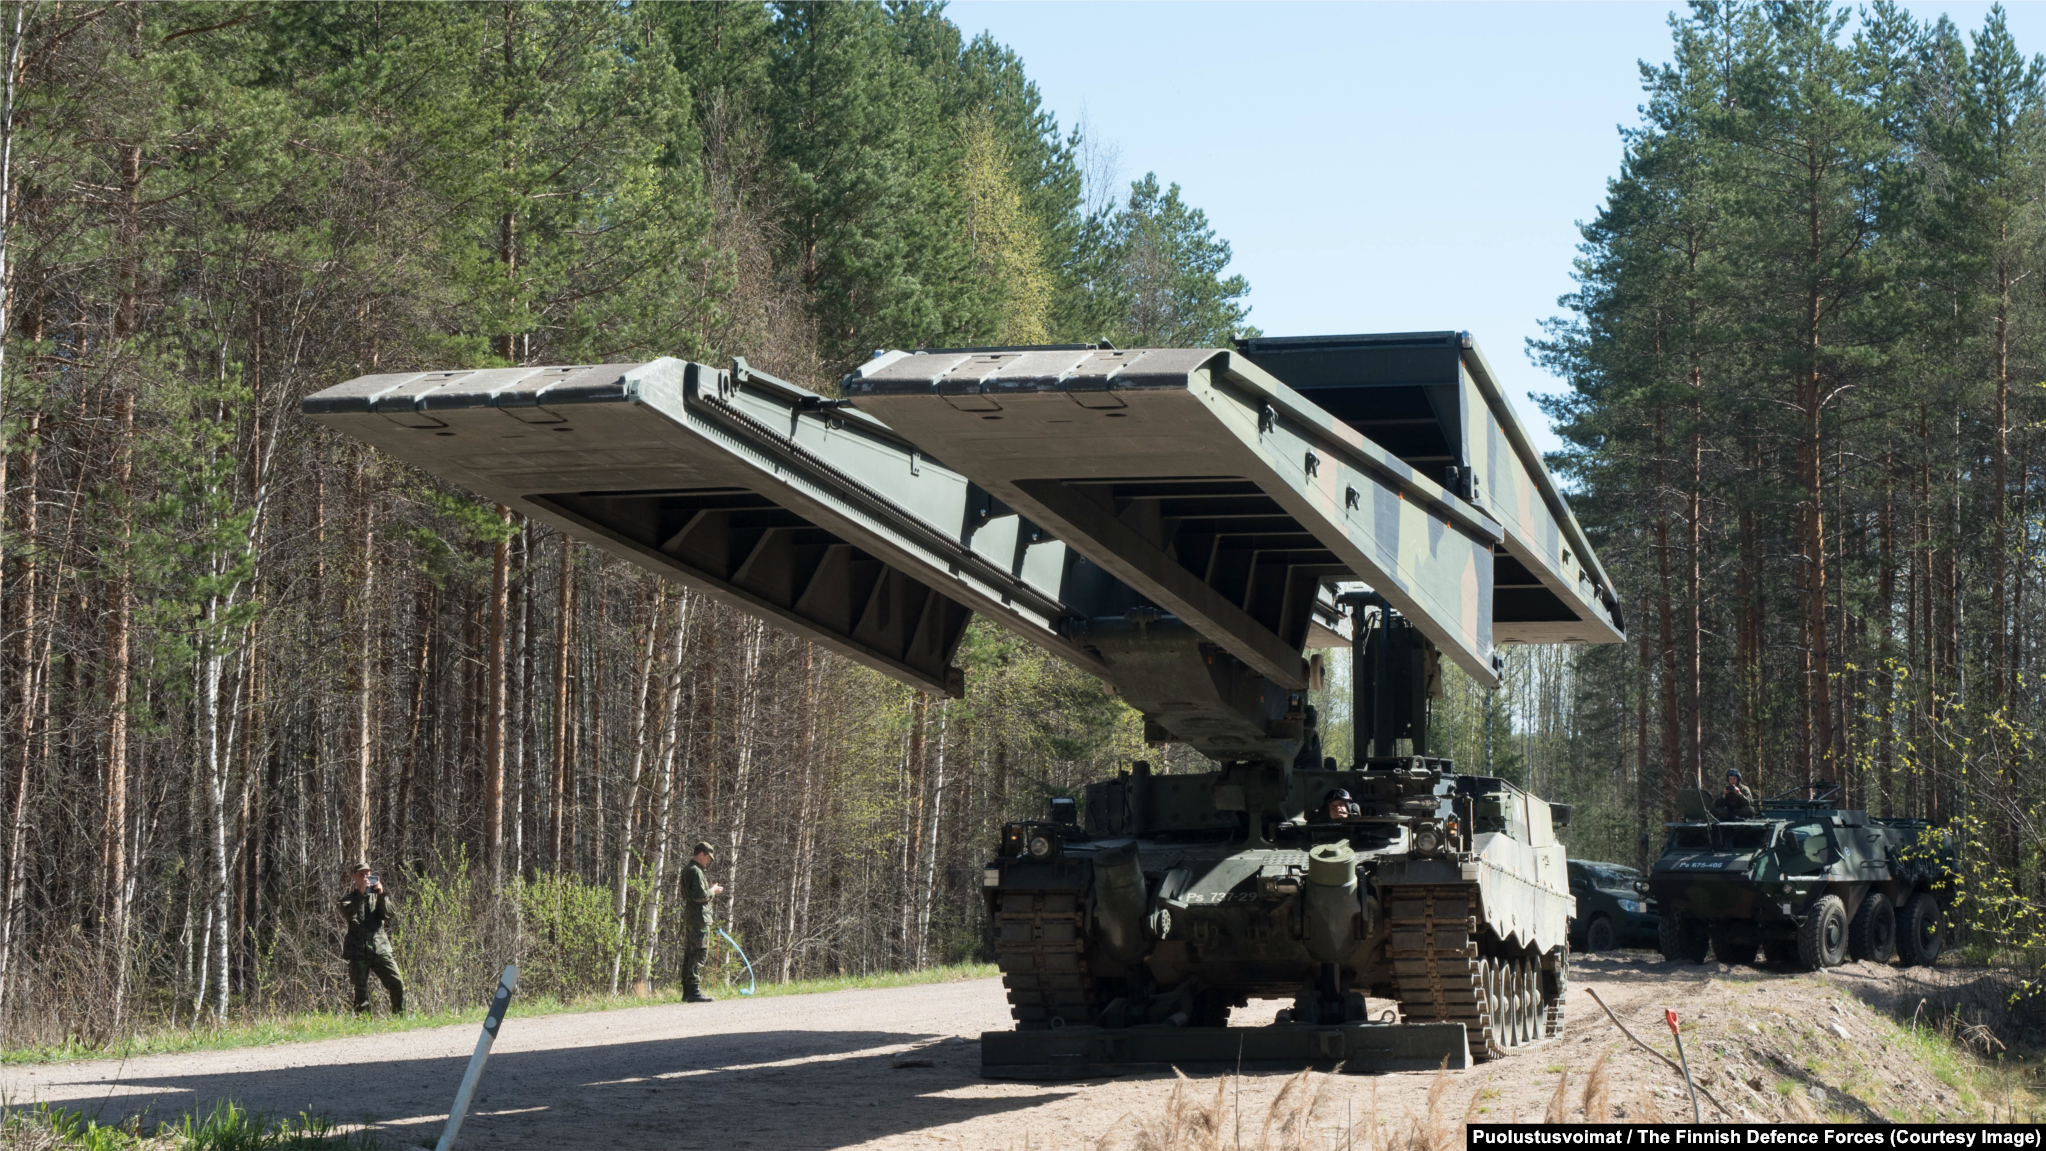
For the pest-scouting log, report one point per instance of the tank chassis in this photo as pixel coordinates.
(1127, 933)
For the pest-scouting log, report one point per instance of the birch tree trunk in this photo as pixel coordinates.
(749, 718)
(650, 628)
(522, 702)
(927, 888)
(494, 718)
(557, 804)
(30, 672)
(365, 736)
(114, 813)
(216, 804)
(801, 864)
(672, 734)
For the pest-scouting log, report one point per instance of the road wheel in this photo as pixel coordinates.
(1680, 942)
(1513, 994)
(1921, 930)
(1529, 995)
(1735, 954)
(1822, 941)
(1599, 935)
(1491, 977)
(1873, 934)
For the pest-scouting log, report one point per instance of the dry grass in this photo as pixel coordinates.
(1305, 1116)
(1312, 1113)
(1598, 1106)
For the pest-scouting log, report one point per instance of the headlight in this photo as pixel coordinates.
(1426, 840)
(1040, 847)
(1630, 906)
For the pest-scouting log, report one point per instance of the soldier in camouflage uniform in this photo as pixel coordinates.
(1736, 802)
(697, 891)
(367, 913)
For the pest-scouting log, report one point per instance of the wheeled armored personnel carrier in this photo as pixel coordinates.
(1188, 525)
(1801, 881)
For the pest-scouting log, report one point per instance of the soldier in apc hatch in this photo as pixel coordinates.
(697, 891)
(1736, 802)
(368, 916)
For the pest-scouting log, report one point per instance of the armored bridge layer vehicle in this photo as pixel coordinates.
(1801, 881)
(1183, 896)
(1189, 526)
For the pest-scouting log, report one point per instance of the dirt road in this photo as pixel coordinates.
(820, 1071)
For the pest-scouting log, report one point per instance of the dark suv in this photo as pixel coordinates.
(1613, 908)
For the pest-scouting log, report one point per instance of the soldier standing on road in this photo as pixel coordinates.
(697, 890)
(368, 915)
(1736, 802)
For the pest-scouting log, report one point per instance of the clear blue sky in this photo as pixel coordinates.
(1376, 167)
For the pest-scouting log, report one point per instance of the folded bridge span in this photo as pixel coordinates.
(1176, 522)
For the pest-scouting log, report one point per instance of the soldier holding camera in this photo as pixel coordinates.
(368, 916)
(1736, 802)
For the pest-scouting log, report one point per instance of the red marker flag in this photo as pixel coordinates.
(1669, 1016)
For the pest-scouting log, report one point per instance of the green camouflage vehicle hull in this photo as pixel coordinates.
(1802, 882)
(1444, 894)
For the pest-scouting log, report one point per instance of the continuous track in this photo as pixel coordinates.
(1040, 942)
(1503, 1002)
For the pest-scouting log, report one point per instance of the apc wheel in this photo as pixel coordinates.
(1598, 936)
(1873, 934)
(1679, 942)
(1822, 941)
(1735, 954)
(1921, 930)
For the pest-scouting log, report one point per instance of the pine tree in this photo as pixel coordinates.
(1154, 275)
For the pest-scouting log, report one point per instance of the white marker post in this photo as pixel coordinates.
(491, 1023)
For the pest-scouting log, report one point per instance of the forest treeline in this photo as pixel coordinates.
(237, 652)
(1805, 360)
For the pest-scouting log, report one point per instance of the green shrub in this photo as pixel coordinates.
(568, 937)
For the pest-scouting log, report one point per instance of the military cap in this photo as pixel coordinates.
(701, 848)
(354, 868)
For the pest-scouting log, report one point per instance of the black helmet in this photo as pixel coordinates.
(1733, 773)
(1333, 795)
